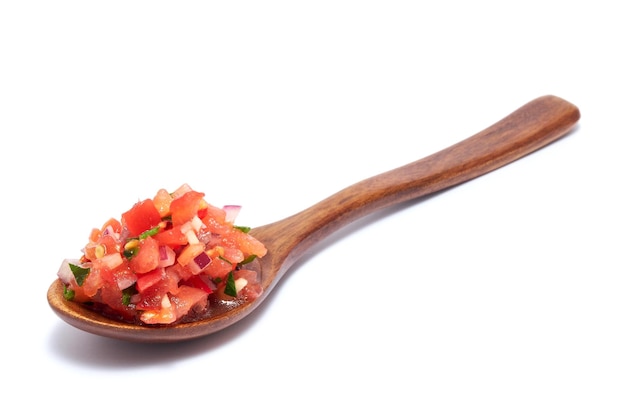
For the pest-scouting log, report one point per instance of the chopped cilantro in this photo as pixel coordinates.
(225, 260)
(68, 293)
(244, 229)
(80, 273)
(126, 294)
(230, 286)
(248, 260)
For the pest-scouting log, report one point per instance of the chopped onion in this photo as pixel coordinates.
(165, 302)
(202, 260)
(240, 283)
(167, 256)
(185, 227)
(112, 260)
(108, 231)
(124, 282)
(231, 212)
(196, 223)
(191, 236)
(199, 263)
(65, 273)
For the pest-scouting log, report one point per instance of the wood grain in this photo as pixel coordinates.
(527, 129)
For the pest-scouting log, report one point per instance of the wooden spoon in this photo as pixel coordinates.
(532, 126)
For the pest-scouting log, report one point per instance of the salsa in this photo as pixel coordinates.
(165, 259)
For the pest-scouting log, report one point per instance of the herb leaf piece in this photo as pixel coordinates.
(127, 294)
(230, 289)
(80, 273)
(68, 293)
(248, 260)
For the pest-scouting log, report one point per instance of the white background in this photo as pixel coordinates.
(501, 297)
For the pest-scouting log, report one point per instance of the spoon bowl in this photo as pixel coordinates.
(532, 126)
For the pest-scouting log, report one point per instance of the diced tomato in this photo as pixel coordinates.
(141, 217)
(93, 282)
(109, 261)
(103, 241)
(150, 279)
(147, 258)
(110, 243)
(124, 276)
(151, 299)
(215, 226)
(95, 235)
(179, 272)
(172, 236)
(162, 201)
(112, 297)
(235, 238)
(163, 313)
(185, 207)
(190, 252)
(151, 296)
(233, 255)
(114, 224)
(187, 298)
(219, 268)
(165, 276)
(216, 213)
(202, 212)
(197, 282)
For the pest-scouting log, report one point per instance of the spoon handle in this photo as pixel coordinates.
(527, 129)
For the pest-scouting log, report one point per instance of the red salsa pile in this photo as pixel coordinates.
(163, 258)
